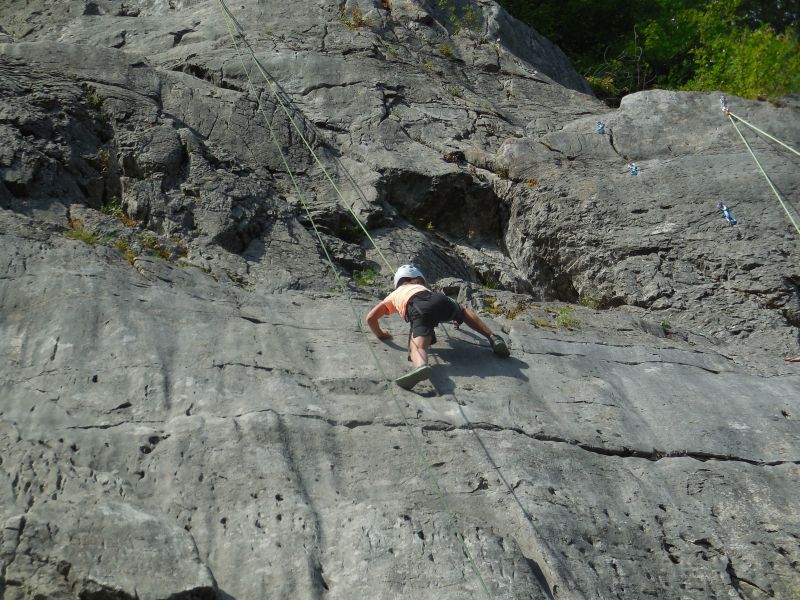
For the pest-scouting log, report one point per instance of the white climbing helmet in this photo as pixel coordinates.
(406, 272)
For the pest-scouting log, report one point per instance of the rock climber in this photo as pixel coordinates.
(424, 309)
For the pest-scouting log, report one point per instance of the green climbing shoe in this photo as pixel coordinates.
(499, 346)
(412, 378)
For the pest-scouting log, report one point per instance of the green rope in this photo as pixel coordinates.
(751, 126)
(276, 95)
(453, 521)
(763, 172)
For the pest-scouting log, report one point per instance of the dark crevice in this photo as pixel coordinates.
(456, 204)
(325, 126)
(177, 36)
(254, 320)
(624, 452)
(737, 582)
(644, 251)
(654, 455)
(613, 147)
(631, 363)
(327, 86)
(242, 365)
(540, 577)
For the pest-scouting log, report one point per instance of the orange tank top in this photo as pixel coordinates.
(397, 301)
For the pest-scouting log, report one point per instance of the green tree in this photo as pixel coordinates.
(744, 47)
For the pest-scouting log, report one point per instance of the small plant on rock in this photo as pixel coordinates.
(354, 19)
(95, 100)
(80, 234)
(590, 301)
(351, 233)
(666, 326)
(542, 323)
(513, 313)
(149, 241)
(446, 51)
(104, 158)
(491, 307)
(564, 317)
(366, 277)
(115, 209)
(124, 247)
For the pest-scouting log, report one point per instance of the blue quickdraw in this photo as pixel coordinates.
(600, 127)
(634, 169)
(727, 214)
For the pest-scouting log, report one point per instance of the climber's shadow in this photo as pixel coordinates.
(470, 357)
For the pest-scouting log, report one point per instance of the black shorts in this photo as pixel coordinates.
(427, 309)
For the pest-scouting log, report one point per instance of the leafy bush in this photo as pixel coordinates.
(149, 241)
(82, 235)
(366, 277)
(354, 19)
(758, 63)
(749, 48)
(446, 51)
(564, 317)
(124, 247)
(590, 301)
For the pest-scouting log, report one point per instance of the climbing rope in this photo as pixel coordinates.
(274, 89)
(728, 114)
(764, 133)
(452, 520)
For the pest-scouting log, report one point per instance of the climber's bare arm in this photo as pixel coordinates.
(372, 320)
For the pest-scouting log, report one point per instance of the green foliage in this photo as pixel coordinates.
(114, 208)
(469, 17)
(103, 157)
(491, 307)
(366, 277)
(353, 19)
(149, 241)
(95, 100)
(744, 47)
(564, 317)
(446, 51)
(759, 63)
(82, 235)
(542, 323)
(391, 51)
(513, 313)
(353, 233)
(124, 247)
(665, 325)
(590, 301)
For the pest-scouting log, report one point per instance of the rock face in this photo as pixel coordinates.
(190, 406)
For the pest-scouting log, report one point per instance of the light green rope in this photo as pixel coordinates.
(453, 521)
(277, 96)
(763, 172)
(774, 139)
